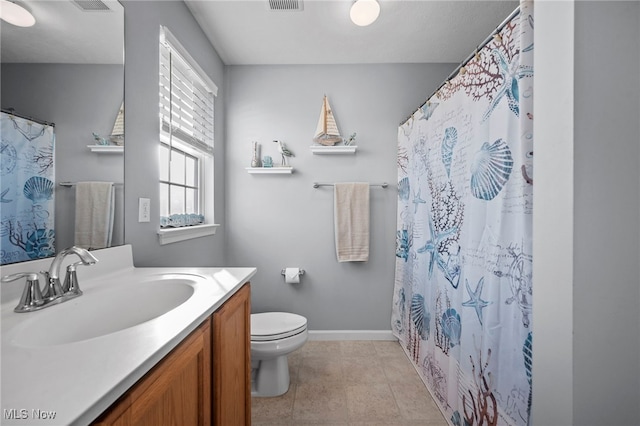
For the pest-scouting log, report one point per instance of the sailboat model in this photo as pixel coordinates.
(117, 134)
(327, 131)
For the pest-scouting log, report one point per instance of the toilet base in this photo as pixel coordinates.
(271, 377)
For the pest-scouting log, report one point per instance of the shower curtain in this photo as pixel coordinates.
(26, 190)
(463, 279)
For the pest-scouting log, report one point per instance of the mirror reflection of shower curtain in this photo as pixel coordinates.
(463, 285)
(27, 189)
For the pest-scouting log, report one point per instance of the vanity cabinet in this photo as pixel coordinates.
(205, 380)
(176, 391)
(232, 362)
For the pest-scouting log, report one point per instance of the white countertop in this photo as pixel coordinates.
(78, 381)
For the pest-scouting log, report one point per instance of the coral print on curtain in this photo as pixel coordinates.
(463, 283)
(27, 190)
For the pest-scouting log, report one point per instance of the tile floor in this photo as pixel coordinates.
(350, 383)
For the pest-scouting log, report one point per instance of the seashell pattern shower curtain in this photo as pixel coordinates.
(463, 281)
(27, 190)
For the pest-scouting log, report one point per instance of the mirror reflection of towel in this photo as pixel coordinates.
(94, 214)
(351, 221)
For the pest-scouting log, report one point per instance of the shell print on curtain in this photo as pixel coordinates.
(27, 199)
(463, 280)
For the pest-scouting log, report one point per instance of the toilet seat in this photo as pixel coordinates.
(270, 326)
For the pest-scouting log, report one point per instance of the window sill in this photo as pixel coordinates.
(173, 235)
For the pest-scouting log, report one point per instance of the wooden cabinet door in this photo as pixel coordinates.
(231, 361)
(177, 391)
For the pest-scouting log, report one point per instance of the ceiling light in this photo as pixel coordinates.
(364, 12)
(16, 14)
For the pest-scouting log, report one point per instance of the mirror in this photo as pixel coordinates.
(67, 69)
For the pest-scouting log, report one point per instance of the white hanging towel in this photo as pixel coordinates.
(351, 220)
(94, 214)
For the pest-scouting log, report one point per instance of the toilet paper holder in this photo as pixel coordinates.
(300, 272)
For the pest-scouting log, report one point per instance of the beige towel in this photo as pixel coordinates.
(94, 214)
(351, 220)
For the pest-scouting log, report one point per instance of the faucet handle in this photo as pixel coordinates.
(71, 285)
(31, 298)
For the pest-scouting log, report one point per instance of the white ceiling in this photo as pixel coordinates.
(64, 33)
(247, 32)
(407, 31)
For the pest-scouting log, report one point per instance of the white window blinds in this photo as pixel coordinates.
(186, 96)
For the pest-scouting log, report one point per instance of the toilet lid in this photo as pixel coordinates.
(276, 325)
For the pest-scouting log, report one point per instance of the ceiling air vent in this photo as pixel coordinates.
(91, 5)
(285, 5)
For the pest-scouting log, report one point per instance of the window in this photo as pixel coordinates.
(186, 142)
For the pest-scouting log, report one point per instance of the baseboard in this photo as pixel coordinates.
(351, 335)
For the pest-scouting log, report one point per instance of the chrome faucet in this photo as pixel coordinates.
(34, 299)
(54, 289)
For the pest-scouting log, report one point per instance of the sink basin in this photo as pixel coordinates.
(104, 310)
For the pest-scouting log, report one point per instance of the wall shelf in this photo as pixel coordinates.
(106, 149)
(333, 150)
(270, 170)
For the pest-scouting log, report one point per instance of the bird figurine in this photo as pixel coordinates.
(284, 152)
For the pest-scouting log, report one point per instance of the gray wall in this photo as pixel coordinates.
(607, 221)
(587, 279)
(553, 214)
(142, 24)
(276, 221)
(80, 100)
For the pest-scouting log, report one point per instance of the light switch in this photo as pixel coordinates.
(144, 209)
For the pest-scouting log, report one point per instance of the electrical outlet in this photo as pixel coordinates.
(144, 209)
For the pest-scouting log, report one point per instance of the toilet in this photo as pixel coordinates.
(274, 335)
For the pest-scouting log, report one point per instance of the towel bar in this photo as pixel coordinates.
(317, 185)
(70, 184)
